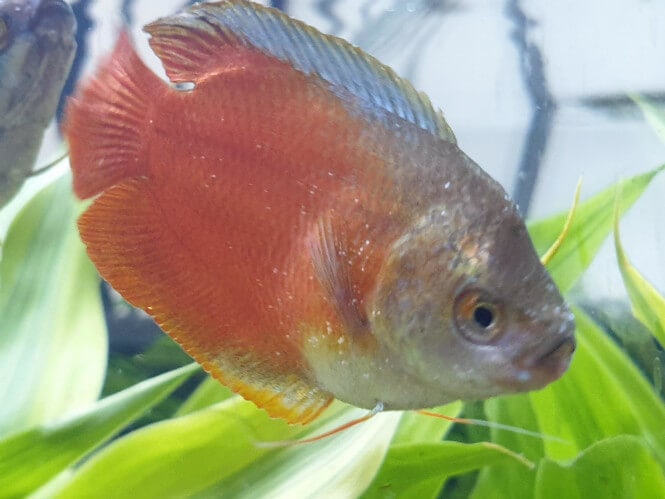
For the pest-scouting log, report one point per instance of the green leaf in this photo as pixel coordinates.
(30, 458)
(511, 480)
(31, 187)
(419, 470)
(209, 392)
(591, 225)
(648, 305)
(654, 116)
(219, 450)
(614, 468)
(417, 428)
(340, 466)
(52, 335)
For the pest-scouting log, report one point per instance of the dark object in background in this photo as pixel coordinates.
(37, 47)
(634, 338)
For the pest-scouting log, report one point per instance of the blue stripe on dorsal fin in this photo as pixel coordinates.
(347, 69)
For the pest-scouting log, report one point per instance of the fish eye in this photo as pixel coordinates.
(477, 317)
(483, 315)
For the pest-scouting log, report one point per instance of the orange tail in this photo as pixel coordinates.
(107, 119)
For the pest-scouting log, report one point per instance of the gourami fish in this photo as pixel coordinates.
(303, 223)
(37, 47)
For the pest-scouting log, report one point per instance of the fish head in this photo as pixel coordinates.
(37, 45)
(465, 304)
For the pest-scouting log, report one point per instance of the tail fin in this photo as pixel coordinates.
(106, 121)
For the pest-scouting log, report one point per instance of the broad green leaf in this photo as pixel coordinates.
(220, 450)
(648, 305)
(419, 470)
(618, 467)
(417, 428)
(52, 334)
(654, 115)
(30, 458)
(512, 479)
(591, 225)
(340, 466)
(31, 187)
(209, 392)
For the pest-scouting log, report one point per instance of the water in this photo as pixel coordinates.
(537, 93)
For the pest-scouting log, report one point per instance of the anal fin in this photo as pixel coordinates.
(138, 248)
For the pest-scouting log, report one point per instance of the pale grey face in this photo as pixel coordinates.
(471, 309)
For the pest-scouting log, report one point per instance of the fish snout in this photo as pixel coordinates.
(548, 361)
(54, 18)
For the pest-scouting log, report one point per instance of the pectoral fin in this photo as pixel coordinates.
(330, 258)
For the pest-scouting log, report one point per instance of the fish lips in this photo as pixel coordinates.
(543, 364)
(55, 21)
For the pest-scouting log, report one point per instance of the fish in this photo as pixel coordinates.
(303, 223)
(37, 48)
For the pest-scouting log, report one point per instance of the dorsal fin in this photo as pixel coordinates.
(190, 42)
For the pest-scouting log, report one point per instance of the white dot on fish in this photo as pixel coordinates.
(523, 376)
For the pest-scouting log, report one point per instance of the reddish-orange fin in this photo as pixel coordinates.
(133, 238)
(106, 120)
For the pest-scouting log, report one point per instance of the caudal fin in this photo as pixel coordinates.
(106, 121)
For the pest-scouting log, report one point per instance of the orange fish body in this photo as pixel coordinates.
(302, 222)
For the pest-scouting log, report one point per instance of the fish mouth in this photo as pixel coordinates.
(55, 19)
(546, 363)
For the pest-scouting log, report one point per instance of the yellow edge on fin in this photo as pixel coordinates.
(286, 397)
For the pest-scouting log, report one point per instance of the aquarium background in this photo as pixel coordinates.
(540, 94)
